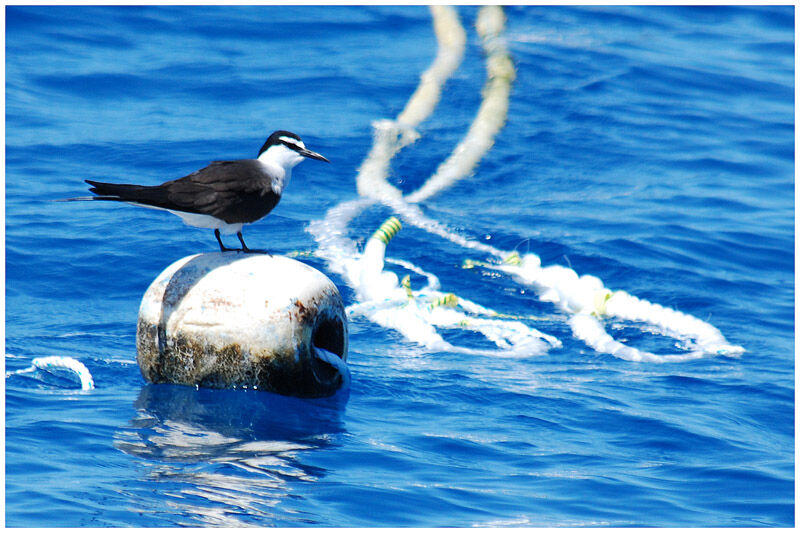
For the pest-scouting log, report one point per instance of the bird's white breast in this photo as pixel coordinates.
(278, 176)
(278, 162)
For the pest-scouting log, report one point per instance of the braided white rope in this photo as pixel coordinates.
(55, 364)
(392, 135)
(491, 114)
(584, 298)
(587, 300)
(417, 314)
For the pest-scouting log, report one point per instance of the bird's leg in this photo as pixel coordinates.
(222, 247)
(247, 250)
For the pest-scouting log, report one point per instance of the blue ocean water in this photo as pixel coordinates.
(652, 147)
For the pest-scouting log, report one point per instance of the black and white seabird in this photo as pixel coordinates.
(223, 196)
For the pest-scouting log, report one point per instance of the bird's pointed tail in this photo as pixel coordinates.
(120, 192)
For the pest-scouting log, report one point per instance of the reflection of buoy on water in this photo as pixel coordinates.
(225, 320)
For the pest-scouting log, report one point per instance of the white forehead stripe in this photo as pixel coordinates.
(293, 141)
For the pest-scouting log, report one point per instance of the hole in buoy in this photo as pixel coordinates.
(329, 336)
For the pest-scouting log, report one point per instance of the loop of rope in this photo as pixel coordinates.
(584, 298)
(56, 364)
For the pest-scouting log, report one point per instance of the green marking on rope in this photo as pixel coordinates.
(448, 300)
(406, 283)
(387, 230)
(513, 259)
(600, 300)
(471, 263)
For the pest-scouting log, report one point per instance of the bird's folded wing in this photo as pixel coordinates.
(217, 186)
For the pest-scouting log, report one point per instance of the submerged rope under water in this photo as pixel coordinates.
(381, 297)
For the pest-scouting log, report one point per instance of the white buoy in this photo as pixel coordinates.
(225, 320)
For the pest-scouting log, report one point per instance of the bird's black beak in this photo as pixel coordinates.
(312, 155)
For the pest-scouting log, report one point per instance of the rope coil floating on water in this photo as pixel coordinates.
(587, 300)
(390, 136)
(55, 364)
(416, 314)
(491, 115)
(583, 298)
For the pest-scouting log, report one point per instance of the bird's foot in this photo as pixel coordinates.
(243, 249)
(253, 251)
(247, 250)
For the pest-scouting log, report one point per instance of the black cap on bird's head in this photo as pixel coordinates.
(291, 141)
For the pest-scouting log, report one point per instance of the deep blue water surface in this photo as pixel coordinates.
(652, 147)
